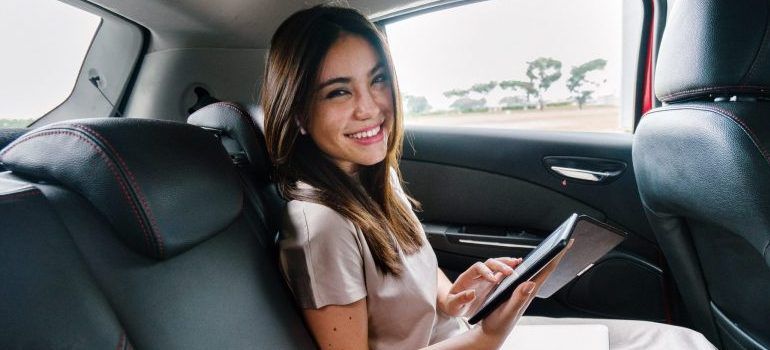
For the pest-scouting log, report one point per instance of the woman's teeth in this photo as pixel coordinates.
(368, 133)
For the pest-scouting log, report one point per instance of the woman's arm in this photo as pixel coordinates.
(339, 326)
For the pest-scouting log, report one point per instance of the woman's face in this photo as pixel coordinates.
(352, 112)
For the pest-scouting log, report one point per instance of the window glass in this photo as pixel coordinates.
(548, 65)
(45, 42)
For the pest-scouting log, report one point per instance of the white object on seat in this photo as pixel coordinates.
(558, 337)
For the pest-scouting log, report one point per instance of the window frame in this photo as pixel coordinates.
(116, 48)
(651, 31)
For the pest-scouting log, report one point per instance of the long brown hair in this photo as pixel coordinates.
(372, 203)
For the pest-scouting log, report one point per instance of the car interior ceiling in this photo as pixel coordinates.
(160, 232)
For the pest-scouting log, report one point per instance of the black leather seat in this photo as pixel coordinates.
(702, 164)
(120, 232)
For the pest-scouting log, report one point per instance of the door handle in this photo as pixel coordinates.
(584, 169)
(584, 174)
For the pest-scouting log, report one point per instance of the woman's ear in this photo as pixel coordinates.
(299, 125)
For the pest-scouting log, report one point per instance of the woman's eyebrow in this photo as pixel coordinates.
(331, 81)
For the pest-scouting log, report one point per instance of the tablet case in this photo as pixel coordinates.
(593, 239)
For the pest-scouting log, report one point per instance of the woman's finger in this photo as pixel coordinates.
(498, 266)
(458, 301)
(483, 271)
(512, 262)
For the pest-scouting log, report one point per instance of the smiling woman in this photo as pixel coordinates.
(352, 250)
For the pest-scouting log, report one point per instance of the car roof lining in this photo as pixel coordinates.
(230, 24)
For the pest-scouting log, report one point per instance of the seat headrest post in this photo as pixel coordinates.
(240, 133)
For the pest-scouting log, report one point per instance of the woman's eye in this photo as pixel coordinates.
(380, 78)
(336, 93)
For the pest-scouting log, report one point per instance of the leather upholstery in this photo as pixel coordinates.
(131, 169)
(49, 299)
(713, 48)
(702, 165)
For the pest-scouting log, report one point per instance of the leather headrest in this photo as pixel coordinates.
(164, 186)
(239, 132)
(715, 48)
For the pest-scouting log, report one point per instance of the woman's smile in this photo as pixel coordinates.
(368, 136)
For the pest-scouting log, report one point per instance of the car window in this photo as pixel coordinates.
(547, 65)
(45, 42)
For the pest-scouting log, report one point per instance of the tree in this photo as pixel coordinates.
(416, 104)
(579, 85)
(467, 104)
(527, 87)
(456, 93)
(542, 72)
(513, 101)
(483, 88)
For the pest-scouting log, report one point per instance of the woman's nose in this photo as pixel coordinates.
(366, 105)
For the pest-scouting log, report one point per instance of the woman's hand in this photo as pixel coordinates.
(500, 322)
(471, 288)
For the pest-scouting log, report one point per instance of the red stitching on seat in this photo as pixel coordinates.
(134, 184)
(104, 157)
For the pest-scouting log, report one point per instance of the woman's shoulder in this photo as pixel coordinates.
(307, 221)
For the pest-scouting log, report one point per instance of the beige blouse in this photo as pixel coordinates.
(326, 261)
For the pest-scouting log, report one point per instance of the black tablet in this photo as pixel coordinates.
(593, 240)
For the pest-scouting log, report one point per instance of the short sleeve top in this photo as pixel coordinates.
(326, 261)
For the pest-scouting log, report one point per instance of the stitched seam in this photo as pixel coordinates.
(734, 118)
(714, 88)
(135, 187)
(107, 161)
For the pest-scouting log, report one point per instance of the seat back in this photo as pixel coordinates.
(49, 298)
(702, 164)
(158, 230)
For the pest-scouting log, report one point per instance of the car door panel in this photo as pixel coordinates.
(490, 192)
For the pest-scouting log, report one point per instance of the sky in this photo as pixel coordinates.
(494, 40)
(53, 38)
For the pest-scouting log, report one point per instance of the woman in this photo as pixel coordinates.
(352, 250)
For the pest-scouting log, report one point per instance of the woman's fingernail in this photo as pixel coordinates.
(529, 288)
